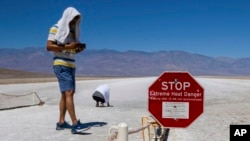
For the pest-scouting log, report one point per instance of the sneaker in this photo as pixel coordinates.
(79, 127)
(63, 126)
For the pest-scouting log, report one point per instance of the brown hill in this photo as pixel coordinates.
(8, 76)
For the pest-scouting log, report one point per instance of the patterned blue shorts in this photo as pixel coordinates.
(66, 77)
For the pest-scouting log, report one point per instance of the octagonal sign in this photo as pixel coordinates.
(175, 99)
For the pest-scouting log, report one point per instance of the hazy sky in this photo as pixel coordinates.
(208, 27)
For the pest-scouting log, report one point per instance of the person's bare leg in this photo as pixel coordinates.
(62, 108)
(70, 105)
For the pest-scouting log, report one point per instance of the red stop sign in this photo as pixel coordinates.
(175, 99)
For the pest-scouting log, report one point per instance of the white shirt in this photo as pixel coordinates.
(61, 33)
(104, 90)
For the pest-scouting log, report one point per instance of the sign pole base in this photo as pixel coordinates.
(155, 132)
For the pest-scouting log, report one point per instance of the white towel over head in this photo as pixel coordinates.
(63, 25)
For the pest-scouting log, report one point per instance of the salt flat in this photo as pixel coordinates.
(227, 101)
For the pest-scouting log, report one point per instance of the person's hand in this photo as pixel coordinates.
(73, 45)
(108, 105)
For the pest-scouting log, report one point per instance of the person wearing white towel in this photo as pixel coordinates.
(101, 95)
(63, 41)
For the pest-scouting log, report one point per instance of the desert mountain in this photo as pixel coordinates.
(129, 63)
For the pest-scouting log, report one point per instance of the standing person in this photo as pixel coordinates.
(101, 95)
(63, 41)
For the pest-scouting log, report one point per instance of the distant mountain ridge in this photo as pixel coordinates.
(129, 63)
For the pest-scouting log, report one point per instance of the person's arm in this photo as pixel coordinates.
(52, 46)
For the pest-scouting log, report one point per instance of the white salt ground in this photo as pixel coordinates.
(227, 101)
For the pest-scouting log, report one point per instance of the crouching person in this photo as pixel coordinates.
(101, 95)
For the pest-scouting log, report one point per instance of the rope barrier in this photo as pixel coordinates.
(16, 95)
(18, 103)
